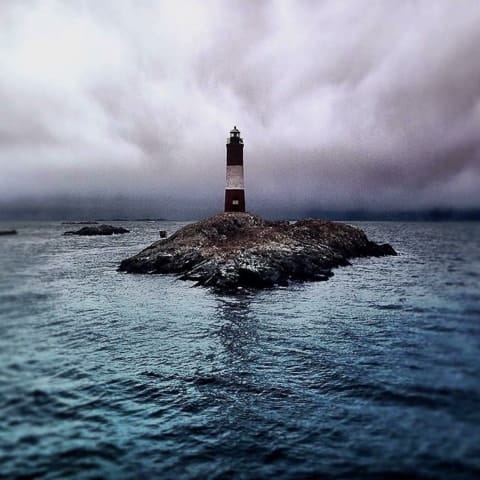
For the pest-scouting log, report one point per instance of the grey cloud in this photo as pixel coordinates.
(341, 104)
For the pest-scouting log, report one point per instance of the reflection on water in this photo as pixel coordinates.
(237, 328)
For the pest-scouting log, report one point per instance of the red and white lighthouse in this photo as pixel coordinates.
(235, 189)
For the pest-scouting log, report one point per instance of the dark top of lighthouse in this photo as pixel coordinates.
(235, 136)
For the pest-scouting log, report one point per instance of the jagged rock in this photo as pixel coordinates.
(99, 230)
(232, 250)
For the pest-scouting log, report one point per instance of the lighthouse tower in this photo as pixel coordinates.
(235, 190)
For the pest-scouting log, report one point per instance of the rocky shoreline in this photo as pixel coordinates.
(233, 251)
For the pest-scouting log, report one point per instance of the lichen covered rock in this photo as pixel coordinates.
(233, 250)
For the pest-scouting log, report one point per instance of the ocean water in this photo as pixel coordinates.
(373, 374)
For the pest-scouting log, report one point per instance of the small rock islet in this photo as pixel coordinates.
(98, 230)
(233, 251)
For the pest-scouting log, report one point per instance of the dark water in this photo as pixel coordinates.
(373, 374)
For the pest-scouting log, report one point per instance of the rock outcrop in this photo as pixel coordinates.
(99, 230)
(233, 250)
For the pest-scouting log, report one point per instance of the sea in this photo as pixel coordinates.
(374, 373)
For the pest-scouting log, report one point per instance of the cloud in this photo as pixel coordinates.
(341, 104)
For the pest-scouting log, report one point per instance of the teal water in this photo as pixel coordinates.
(373, 374)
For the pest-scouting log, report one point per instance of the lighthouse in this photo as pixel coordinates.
(234, 189)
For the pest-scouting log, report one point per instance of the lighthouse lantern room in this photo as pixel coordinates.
(235, 189)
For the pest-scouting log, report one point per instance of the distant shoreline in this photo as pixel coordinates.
(436, 215)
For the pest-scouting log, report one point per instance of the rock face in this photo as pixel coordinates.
(99, 230)
(233, 250)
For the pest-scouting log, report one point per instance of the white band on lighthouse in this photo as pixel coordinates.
(234, 177)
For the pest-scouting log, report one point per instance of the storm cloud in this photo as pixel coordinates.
(354, 104)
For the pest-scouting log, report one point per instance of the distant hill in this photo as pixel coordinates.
(433, 215)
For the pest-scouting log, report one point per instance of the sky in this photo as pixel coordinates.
(124, 107)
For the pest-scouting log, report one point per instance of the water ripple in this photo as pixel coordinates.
(373, 374)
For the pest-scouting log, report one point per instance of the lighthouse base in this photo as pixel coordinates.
(235, 200)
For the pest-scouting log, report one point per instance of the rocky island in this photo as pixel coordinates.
(8, 232)
(232, 251)
(99, 230)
